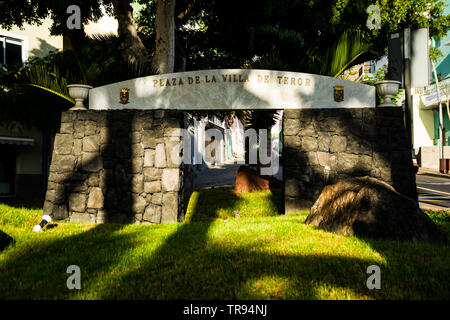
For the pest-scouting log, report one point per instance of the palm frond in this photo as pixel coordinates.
(279, 35)
(343, 53)
(95, 60)
(48, 79)
(68, 98)
(259, 119)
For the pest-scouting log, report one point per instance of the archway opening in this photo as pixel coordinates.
(236, 164)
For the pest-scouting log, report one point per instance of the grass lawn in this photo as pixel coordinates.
(261, 255)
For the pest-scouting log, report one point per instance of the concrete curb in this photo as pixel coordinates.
(426, 206)
(433, 174)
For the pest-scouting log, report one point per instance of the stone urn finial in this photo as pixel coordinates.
(387, 89)
(79, 92)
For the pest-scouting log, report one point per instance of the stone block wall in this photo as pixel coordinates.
(120, 166)
(322, 146)
(116, 167)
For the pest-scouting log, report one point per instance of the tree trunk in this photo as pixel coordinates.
(127, 30)
(164, 58)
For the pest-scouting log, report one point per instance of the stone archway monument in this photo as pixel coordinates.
(113, 162)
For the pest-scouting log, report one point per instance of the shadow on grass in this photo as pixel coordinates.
(33, 204)
(5, 240)
(192, 264)
(189, 266)
(38, 270)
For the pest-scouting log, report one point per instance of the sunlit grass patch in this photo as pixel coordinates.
(221, 203)
(262, 257)
(19, 217)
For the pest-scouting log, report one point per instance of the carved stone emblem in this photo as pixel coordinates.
(124, 95)
(338, 93)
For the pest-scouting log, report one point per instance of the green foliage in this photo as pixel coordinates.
(317, 36)
(288, 50)
(400, 14)
(442, 214)
(24, 106)
(232, 31)
(435, 54)
(344, 52)
(290, 54)
(95, 60)
(380, 75)
(47, 78)
(292, 35)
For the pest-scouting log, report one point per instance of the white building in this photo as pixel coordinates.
(425, 115)
(216, 142)
(23, 161)
(25, 153)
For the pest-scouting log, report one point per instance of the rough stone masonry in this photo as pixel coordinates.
(116, 167)
(322, 146)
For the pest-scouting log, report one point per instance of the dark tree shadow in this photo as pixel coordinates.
(114, 158)
(5, 240)
(48, 270)
(108, 168)
(375, 146)
(191, 265)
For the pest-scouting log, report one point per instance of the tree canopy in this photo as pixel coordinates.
(288, 34)
(316, 36)
(224, 33)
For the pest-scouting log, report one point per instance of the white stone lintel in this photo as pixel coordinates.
(225, 89)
